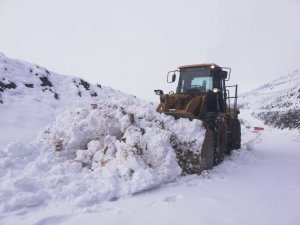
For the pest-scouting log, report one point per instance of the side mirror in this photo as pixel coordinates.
(171, 76)
(158, 92)
(228, 72)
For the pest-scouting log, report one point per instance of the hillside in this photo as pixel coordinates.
(19, 79)
(276, 103)
(32, 96)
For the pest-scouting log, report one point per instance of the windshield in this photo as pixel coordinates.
(194, 80)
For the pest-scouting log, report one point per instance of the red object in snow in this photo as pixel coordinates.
(259, 128)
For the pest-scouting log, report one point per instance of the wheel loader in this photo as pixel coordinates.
(202, 94)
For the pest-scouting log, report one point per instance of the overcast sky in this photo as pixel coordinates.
(130, 45)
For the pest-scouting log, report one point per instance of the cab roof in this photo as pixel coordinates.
(198, 65)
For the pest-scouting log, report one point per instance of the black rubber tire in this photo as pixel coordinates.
(234, 137)
(220, 142)
(236, 134)
(207, 151)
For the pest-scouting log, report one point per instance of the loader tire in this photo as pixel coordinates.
(236, 134)
(214, 145)
(220, 142)
(207, 151)
(234, 138)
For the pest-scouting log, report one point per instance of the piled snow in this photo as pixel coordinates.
(103, 149)
(250, 187)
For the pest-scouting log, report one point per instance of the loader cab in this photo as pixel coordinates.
(200, 79)
(204, 80)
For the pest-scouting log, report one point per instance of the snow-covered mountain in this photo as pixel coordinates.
(276, 103)
(19, 79)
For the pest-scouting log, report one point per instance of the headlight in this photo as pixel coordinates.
(212, 66)
(216, 90)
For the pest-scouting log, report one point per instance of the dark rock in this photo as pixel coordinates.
(94, 94)
(131, 118)
(29, 85)
(56, 96)
(85, 84)
(4, 86)
(45, 82)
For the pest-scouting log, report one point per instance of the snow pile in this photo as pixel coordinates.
(103, 145)
(118, 147)
(276, 103)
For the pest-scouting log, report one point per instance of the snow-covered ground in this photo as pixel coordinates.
(114, 163)
(255, 186)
